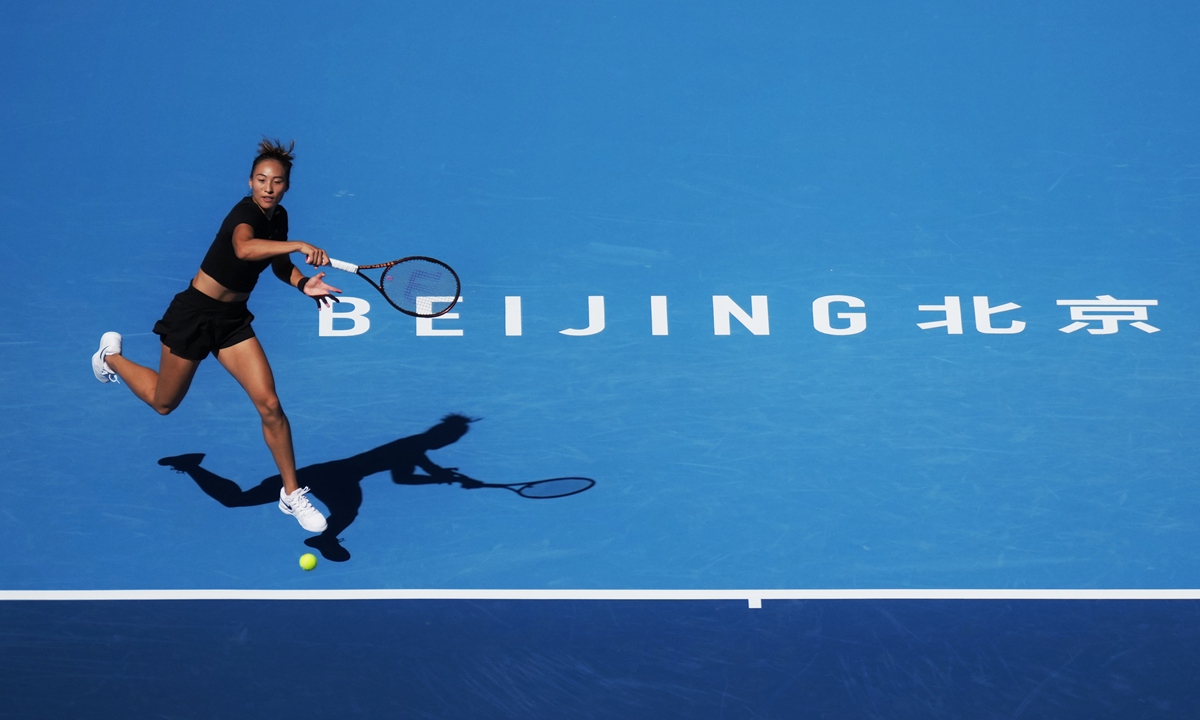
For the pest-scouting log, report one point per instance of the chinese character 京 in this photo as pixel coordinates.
(1108, 311)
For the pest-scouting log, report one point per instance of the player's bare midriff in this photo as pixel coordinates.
(215, 290)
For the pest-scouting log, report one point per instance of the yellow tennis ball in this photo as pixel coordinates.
(308, 561)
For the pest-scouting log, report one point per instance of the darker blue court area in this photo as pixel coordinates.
(846, 660)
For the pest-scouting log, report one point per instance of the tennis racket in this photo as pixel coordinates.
(417, 286)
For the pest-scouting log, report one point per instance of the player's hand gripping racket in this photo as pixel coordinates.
(417, 286)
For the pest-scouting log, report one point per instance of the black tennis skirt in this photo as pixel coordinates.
(196, 325)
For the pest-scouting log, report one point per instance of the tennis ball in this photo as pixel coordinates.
(308, 561)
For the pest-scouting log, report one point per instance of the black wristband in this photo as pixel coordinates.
(303, 281)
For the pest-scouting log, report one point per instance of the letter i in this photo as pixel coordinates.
(512, 315)
(658, 314)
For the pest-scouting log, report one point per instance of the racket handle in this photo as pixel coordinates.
(343, 266)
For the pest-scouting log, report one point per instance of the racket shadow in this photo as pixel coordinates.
(548, 489)
(337, 484)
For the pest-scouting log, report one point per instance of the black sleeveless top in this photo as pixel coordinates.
(223, 265)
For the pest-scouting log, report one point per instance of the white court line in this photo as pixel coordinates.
(751, 596)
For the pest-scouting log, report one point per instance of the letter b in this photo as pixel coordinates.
(357, 315)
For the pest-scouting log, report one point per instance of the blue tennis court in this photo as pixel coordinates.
(870, 331)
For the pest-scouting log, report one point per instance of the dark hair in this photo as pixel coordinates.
(274, 150)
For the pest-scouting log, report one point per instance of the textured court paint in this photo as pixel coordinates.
(1027, 153)
(891, 660)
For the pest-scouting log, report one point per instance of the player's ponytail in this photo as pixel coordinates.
(274, 150)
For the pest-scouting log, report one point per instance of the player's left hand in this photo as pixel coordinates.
(321, 291)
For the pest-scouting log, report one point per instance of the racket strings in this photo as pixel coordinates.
(421, 286)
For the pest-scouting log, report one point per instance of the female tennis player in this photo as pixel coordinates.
(211, 317)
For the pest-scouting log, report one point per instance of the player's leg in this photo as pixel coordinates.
(247, 363)
(162, 390)
(183, 328)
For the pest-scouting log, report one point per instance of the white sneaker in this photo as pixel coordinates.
(300, 508)
(110, 344)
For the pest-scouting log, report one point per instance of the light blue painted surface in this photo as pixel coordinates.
(1027, 154)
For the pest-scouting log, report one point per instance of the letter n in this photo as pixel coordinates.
(756, 322)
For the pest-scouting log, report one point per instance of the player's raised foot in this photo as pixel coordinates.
(298, 506)
(182, 463)
(110, 344)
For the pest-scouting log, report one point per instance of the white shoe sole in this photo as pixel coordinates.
(110, 344)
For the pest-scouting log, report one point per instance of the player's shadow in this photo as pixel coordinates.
(337, 483)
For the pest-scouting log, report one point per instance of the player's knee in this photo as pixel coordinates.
(270, 409)
(164, 407)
